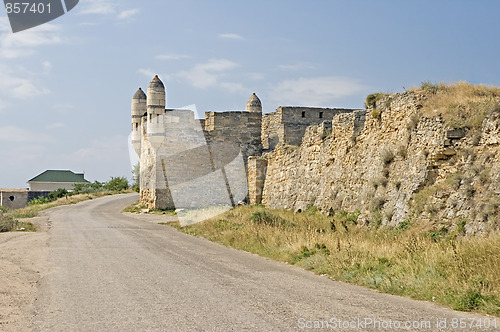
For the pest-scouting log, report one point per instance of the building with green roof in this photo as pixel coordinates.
(51, 180)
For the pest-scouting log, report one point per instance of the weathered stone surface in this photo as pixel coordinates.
(369, 165)
(382, 164)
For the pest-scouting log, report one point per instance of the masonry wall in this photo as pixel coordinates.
(272, 129)
(256, 178)
(288, 124)
(238, 127)
(193, 168)
(13, 198)
(377, 166)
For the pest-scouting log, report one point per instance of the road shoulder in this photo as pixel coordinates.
(23, 261)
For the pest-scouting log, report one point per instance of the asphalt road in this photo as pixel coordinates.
(114, 272)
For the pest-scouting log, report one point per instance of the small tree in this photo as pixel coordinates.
(117, 184)
(136, 176)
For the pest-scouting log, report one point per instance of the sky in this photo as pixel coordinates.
(66, 86)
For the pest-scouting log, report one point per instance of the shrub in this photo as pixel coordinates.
(346, 217)
(404, 225)
(88, 188)
(39, 200)
(461, 226)
(306, 252)
(57, 194)
(376, 114)
(117, 184)
(371, 100)
(432, 87)
(437, 235)
(267, 218)
(469, 301)
(7, 224)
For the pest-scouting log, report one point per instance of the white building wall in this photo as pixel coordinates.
(50, 186)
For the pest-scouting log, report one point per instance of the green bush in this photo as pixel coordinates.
(88, 188)
(39, 200)
(371, 100)
(376, 114)
(57, 194)
(117, 184)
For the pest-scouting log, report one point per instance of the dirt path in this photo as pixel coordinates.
(23, 261)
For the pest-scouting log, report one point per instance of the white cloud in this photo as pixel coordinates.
(125, 14)
(149, 73)
(26, 89)
(204, 75)
(172, 56)
(100, 7)
(315, 91)
(232, 36)
(18, 87)
(22, 44)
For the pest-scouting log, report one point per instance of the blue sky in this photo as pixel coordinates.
(66, 86)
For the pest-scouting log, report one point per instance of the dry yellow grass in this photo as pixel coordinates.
(463, 273)
(462, 105)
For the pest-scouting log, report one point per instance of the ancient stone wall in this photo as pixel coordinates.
(272, 129)
(385, 163)
(192, 167)
(238, 127)
(256, 177)
(288, 124)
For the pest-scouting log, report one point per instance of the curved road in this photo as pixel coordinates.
(114, 272)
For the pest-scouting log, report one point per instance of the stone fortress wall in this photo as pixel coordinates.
(164, 137)
(373, 161)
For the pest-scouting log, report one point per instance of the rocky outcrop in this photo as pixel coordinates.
(392, 163)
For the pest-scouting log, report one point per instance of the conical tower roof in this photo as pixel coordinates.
(156, 83)
(139, 94)
(254, 104)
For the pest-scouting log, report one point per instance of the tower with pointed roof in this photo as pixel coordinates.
(139, 109)
(254, 104)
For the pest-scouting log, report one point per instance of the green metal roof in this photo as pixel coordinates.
(59, 176)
